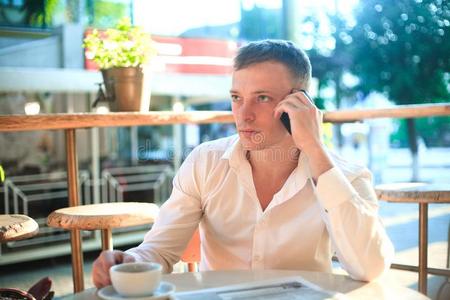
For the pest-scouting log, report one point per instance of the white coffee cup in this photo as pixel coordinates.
(136, 279)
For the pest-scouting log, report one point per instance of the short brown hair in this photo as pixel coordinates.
(285, 52)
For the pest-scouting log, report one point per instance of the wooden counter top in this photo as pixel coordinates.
(88, 120)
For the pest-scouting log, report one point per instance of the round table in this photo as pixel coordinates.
(380, 289)
(17, 227)
(423, 194)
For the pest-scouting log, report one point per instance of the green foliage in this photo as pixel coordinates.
(435, 132)
(106, 13)
(402, 48)
(123, 46)
(2, 174)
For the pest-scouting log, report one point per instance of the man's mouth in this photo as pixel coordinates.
(247, 132)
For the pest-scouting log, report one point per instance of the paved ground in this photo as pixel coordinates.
(401, 221)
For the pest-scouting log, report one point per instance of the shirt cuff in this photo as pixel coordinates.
(333, 188)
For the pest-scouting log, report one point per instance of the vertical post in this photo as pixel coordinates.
(75, 237)
(177, 106)
(423, 247)
(288, 20)
(95, 159)
(134, 145)
(95, 164)
(107, 243)
(192, 267)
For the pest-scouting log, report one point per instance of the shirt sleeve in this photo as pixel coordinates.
(350, 212)
(177, 221)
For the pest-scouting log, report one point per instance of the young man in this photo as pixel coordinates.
(267, 199)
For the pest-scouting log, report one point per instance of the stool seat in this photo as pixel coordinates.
(103, 216)
(414, 192)
(17, 227)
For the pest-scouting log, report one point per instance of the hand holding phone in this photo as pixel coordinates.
(284, 118)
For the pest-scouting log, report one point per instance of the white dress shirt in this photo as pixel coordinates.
(301, 228)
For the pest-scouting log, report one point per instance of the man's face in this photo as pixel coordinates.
(255, 92)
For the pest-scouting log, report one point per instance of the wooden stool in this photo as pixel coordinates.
(17, 227)
(421, 193)
(104, 216)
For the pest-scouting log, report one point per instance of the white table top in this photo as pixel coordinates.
(379, 289)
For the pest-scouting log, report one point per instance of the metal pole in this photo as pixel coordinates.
(72, 183)
(423, 247)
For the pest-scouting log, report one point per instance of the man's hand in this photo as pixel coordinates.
(107, 259)
(306, 120)
(306, 125)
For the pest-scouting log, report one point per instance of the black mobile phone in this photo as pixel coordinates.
(286, 121)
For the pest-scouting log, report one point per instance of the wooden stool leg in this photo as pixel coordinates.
(423, 247)
(77, 261)
(192, 267)
(107, 243)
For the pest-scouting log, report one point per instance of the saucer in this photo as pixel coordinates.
(164, 290)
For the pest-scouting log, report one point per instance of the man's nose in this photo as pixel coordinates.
(247, 112)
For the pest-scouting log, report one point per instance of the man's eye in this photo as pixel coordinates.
(263, 98)
(235, 98)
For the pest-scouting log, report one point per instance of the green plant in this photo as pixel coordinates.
(122, 46)
(2, 174)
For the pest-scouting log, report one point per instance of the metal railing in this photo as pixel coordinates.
(138, 178)
(21, 192)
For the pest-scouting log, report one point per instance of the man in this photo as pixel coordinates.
(266, 199)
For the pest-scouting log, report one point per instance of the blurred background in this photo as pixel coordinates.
(365, 54)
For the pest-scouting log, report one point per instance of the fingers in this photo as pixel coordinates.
(101, 266)
(308, 97)
(304, 98)
(283, 106)
(291, 103)
(100, 276)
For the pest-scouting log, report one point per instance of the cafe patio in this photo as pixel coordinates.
(77, 178)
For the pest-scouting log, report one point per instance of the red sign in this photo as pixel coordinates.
(188, 55)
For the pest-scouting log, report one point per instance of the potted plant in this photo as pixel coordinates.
(122, 54)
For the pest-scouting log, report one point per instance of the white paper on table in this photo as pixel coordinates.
(287, 288)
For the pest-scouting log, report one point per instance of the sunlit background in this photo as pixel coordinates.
(365, 54)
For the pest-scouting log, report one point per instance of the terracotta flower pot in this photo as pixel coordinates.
(128, 88)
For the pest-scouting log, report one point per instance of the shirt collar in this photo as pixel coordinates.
(236, 155)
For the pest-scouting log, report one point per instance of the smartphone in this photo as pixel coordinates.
(286, 122)
(285, 117)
